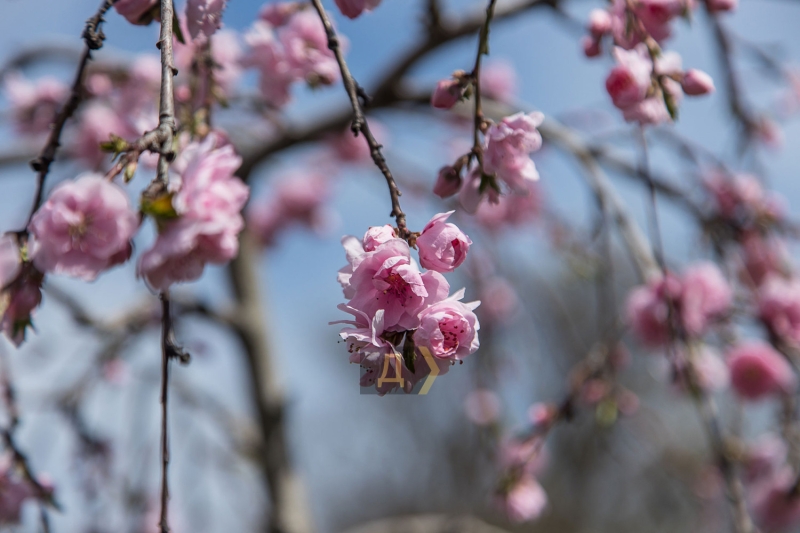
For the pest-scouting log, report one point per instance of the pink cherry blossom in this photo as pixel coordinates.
(84, 228)
(592, 46)
(706, 296)
(442, 246)
(511, 210)
(97, 123)
(779, 307)
(266, 54)
(14, 492)
(446, 94)
(10, 261)
(762, 257)
(34, 104)
(758, 371)
(353, 8)
(775, 508)
(449, 328)
(696, 82)
(377, 235)
(448, 182)
(387, 279)
(208, 203)
(499, 300)
(647, 309)
(204, 17)
(508, 147)
(350, 148)
(599, 22)
(280, 13)
(136, 11)
(629, 81)
(499, 81)
(523, 501)
(297, 199)
(482, 407)
(305, 45)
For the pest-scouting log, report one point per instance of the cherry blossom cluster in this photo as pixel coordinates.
(288, 44)
(504, 159)
(398, 309)
(646, 83)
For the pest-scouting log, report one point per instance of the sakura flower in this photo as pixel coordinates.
(350, 148)
(499, 81)
(97, 123)
(706, 296)
(377, 235)
(718, 6)
(629, 81)
(482, 407)
(204, 17)
(758, 371)
(297, 199)
(775, 507)
(137, 11)
(449, 328)
(442, 246)
(84, 228)
(306, 49)
(34, 104)
(387, 279)
(511, 210)
(779, 307)
(446, 94)
(353, 8)
(499, 300)
(648, 309)
(523, 501)
(762, 257)
(266, 54)
(208, 205)
(508, 147)
(599, 22)
(280, 13)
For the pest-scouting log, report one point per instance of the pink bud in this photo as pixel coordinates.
(696, 82)
(442, 246)
(448, 182)
(599, 22)
(377, 235)
(717, 6)
(447, 94)
(591, 46)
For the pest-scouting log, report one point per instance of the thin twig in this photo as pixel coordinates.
(483, 49)
(166, 327)
(360, 125)
(93, 36)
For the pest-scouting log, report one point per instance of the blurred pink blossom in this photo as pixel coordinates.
(354, 8)
(482, 407)
(204, 17)
(758, 371)
(34, 104)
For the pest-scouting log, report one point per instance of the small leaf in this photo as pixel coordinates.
(176, 28)
(409, 351)
(159, 207)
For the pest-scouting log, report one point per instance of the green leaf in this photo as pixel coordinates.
(176, 28)
(409, 351)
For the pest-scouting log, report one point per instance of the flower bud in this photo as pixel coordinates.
(447, 94)
(448, 182)
(696, 82)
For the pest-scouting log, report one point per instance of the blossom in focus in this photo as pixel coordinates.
(377, 235)
(204, 17)
(298, 198)
(508, 147)
(207, 204)
(779, 307)
(137, 11)
(83, 228)
(757, 370)
(353, 8)
(449, 328)
(34, 104)
(442, 246)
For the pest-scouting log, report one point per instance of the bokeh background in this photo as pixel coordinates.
(362, 457)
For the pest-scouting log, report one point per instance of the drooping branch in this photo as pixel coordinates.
(360, 125)
(93, 37)
(483, 49)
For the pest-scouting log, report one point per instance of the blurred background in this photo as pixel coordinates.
(362, 457)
